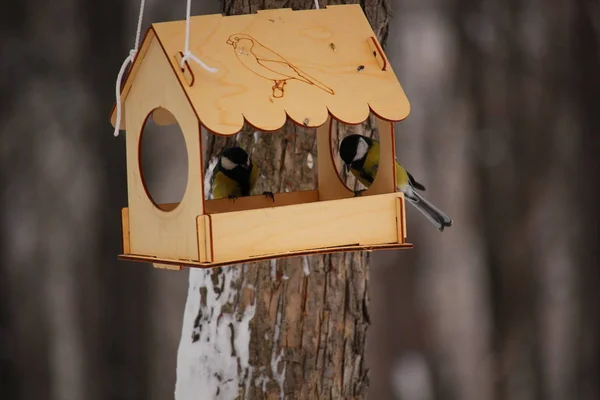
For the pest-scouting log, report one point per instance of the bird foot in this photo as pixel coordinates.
(269, 195)
(232, 197)
(358, 192)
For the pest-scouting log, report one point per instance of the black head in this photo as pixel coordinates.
(234, 157)
(354, 148)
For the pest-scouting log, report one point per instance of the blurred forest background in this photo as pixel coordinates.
(504, 132)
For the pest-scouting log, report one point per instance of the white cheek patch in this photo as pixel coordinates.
(361, 149)
(227, 164)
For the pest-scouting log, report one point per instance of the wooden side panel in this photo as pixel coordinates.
(324, 250)
(125, 227)
(366, 220)
(385, 181)
(168, 234)
(329, 183)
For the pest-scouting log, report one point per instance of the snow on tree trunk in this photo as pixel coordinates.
(291, 328)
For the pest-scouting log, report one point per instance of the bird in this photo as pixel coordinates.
(267, 64)
(235, 175)
(361, 157)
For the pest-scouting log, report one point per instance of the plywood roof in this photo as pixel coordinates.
(282, 63)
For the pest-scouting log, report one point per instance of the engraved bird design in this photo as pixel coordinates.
(267, 64)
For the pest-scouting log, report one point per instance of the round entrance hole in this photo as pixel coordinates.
(163, 160)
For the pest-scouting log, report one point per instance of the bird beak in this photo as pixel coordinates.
(229, 42)
(347, 168)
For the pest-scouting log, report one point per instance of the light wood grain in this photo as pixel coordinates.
(167, 266)
(326, 84)
(385, 181)
(170, 234)
(204, 238)
(327, 250)
(400, 219)
(125, 230)
(130, 76)
(260, 201)
(369, 220)
(252, 202)
(163, 117)
(187, 72)
(377, 53)
(305, 79)
(330, 185)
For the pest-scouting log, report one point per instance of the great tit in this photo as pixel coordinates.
(235, 175)
(361, 156)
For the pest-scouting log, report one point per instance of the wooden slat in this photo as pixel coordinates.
(163, 117)
(204, 238)
(328, 250)
(368, 220)
(260, 201)
(125, 227)
(404, 227)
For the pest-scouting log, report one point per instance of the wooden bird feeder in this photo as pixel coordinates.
(311, 66)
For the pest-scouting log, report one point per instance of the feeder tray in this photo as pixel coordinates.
(272, 65)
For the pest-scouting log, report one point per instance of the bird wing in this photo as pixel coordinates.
(366, 175)
(414, 183)
(371, 164)
(223, 186)
(363, 176)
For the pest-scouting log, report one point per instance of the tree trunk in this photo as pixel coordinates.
(293, 328)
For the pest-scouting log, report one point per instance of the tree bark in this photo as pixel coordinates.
(292, 328)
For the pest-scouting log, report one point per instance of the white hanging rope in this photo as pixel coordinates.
(187, 54)
(129, 59)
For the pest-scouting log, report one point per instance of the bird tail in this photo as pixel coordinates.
(437, 217)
